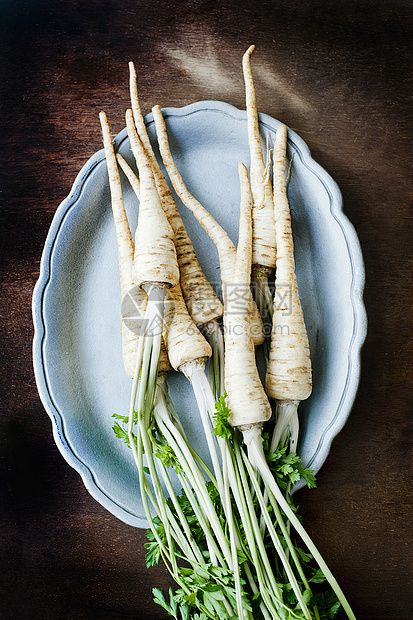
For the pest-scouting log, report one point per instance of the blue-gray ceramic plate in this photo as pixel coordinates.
(76, 302)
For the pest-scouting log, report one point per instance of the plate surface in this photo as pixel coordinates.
(76, 302)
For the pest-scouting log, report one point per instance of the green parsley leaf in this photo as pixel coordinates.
(221, 425)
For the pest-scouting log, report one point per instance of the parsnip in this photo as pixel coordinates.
(202, 302)
(289, 369)
(243, 480)
(263, 238)
(184, 342)
(125, 243)
(155, 258)
(263, 230)
(289, 374)
(245, 394)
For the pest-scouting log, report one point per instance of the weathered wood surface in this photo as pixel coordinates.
(340, 75)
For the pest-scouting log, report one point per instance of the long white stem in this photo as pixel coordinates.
(196, 554)
(143, 365)
(180, 447)
(285, 411)
(234, 541)
(286, 420)
(206, 516)
(135, 383)
(202, 387)
(229, 458)
(172, 529)
(202, 390)
(271, 594)
(275, 539)
(255, 591)
(167, 554)
(175, 418)
(257, 457)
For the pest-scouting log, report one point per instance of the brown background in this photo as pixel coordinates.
(339, 74)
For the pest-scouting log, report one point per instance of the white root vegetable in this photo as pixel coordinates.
(178, 323)
(263, 238)
(126, 248)
(202, 302)
(246, 397)
(130, 175)
(289, 369)
(123, 233)
(124, 241)
(155, 254)
(184, 342)
(263, 225)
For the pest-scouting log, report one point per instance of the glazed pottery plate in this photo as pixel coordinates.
(76, 303)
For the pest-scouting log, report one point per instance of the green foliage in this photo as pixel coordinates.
(172, 607)
(167, 456)
(221, 426)
(327, 605)
(153, 555)
(120, 431)
(120, 428)
(211, 588)
(286, 467)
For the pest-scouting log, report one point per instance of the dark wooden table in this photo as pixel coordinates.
(339, 73)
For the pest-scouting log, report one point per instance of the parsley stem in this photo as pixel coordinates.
(145, 493)
(214, 552)
(202, 390)
(223, 445)
(274, 537)
(159, 494)
(197, 555)
(169, 407)
(196, 479)
(179, 445)
(251, 550)
(257, 457)
(286, 425)
(233, 537)
(254, 589)
(260, 557)
(285, 532)
(144, 374)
